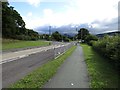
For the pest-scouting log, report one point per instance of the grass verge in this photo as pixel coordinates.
(102, 74)
(8, 44)
(40, 76)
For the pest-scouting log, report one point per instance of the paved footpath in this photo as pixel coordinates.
(72, 73)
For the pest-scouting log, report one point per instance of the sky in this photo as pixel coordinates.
(97, 15)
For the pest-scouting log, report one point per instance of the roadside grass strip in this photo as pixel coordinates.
(102, 73)
(42, 75)
(15, 44)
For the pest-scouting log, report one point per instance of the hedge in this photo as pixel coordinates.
(109, 46)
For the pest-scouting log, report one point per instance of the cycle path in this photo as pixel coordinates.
(72, 73)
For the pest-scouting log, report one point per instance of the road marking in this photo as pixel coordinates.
(23, 56)
(59, 55)
(12, 59)
(72, 84)
(40, 50)
(8, 60)
(58, 52)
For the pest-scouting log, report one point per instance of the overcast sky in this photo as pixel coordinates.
(99, 15)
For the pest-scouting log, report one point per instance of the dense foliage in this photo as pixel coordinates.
(56, 36)
(109, 46)
(82, 33)
(85, 36)
(13, 26)
(90, 38)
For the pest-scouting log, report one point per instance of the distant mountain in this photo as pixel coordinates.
(108, 33)
(71, 29)
(65, 29)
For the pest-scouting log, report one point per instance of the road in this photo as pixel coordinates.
(16, 65)
(6, 57)
(72, 73)
(15, 70)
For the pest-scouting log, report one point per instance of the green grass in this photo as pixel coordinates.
(102, 73)
(8, 44)
(40, 76)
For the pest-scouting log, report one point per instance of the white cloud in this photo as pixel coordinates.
(95, 25)
(90, 10)
(33, 22)
(29, 14)
(76, 12)
(48, 13)
(34, 2)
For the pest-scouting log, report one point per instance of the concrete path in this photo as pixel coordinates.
(72, 73)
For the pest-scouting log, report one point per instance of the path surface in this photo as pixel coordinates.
(72, 73)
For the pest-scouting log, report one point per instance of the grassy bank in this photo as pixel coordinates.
(40, 76)
(101, 73)
(8, 44)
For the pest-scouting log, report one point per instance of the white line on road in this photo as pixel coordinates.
(8, 57)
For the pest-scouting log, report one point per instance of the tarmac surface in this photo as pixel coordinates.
(17, 64)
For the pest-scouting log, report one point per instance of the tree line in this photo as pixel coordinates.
(13, 26)
(56, 36)
(85, 36)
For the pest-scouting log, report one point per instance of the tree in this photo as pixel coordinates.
(90, 38)
(66, 39)
(13, 26)
(57, 36)
(82, 33)
(12, 21)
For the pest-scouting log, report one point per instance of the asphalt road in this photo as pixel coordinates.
(14, 70)
(72, 73)
(10, 56)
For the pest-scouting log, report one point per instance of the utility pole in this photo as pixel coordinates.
(62, 38)
(49, 34)
(77, 35)
(81, 35)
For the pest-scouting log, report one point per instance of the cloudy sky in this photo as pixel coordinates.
(97, 15)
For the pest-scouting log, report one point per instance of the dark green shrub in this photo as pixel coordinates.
(90, 38)
(109, 47)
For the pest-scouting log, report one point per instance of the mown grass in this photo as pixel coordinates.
(8, 44)
(40, 76)
(102, 74)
